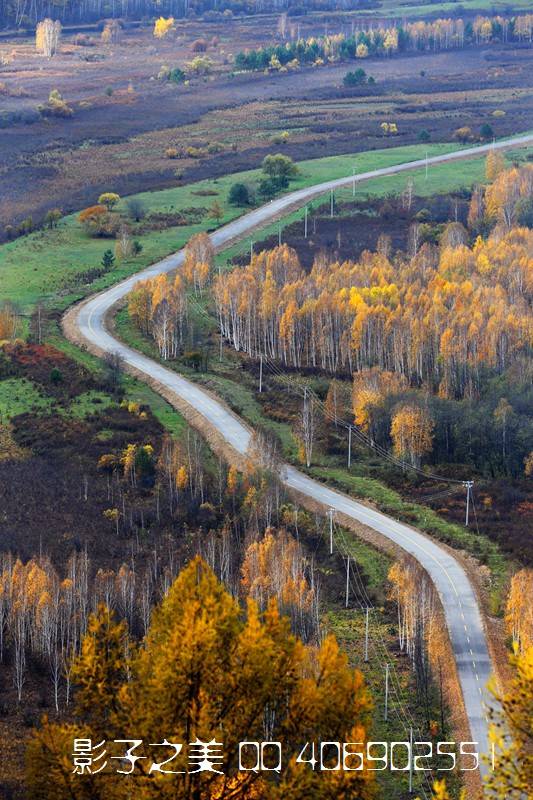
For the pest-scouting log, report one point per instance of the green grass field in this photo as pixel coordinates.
(43, 266)
(441, 178)
(19, 396)
(394, 9)
(135, 390)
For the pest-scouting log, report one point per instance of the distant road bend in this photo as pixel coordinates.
(458, 598)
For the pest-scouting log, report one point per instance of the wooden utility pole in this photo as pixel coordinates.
(386, 692)
(347, 580)
(468, 486)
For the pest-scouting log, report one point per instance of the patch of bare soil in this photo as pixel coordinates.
(128, 131)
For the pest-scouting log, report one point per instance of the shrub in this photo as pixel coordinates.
(463, 134)
(56, 106)
(355, 78)
(199, 65)
(82, 40)
(98, 222)
(172, 152)
(194, 152)
(109, 90)
(91, 212)
(199, 46)
(269, 187)
(486, 131)
(239, 195)
(176, 75)
(424, 136)
(281, 138)
(215, 147)
(136, 209)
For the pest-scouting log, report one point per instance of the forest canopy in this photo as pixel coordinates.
(204, 672)
(27, 12)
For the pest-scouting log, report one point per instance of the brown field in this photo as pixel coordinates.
(128, 132)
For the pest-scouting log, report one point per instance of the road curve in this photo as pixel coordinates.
(458, 598)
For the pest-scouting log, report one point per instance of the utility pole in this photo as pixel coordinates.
(305, 222)
(426, 165)
(468, 486)
(410, 761)
(366, 632)
(251, 249)
(331, 204)
(330, 514)
(386, 692)
(279, 235)
(260, 373)
(349, 447)
(353, 182)
(347, 580)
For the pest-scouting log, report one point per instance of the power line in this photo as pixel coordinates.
(379, 647)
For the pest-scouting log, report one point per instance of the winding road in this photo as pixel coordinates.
(462, 613)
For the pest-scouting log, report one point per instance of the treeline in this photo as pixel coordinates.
(215, 674)
(441, 318)
(44, 615)
(173, 494)
(159, 306)
(441, 34)
(420, 632)
(28, 12)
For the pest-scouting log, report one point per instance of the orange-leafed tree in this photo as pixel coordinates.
(207, 672)
(9, 321)
(276, 567)
(370, 389)
(162, 27)
(412, 433)
(519, 609)
(512, 733)
(494, 164)
(199, 260)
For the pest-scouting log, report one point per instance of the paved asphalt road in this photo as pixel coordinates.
(459, 600)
